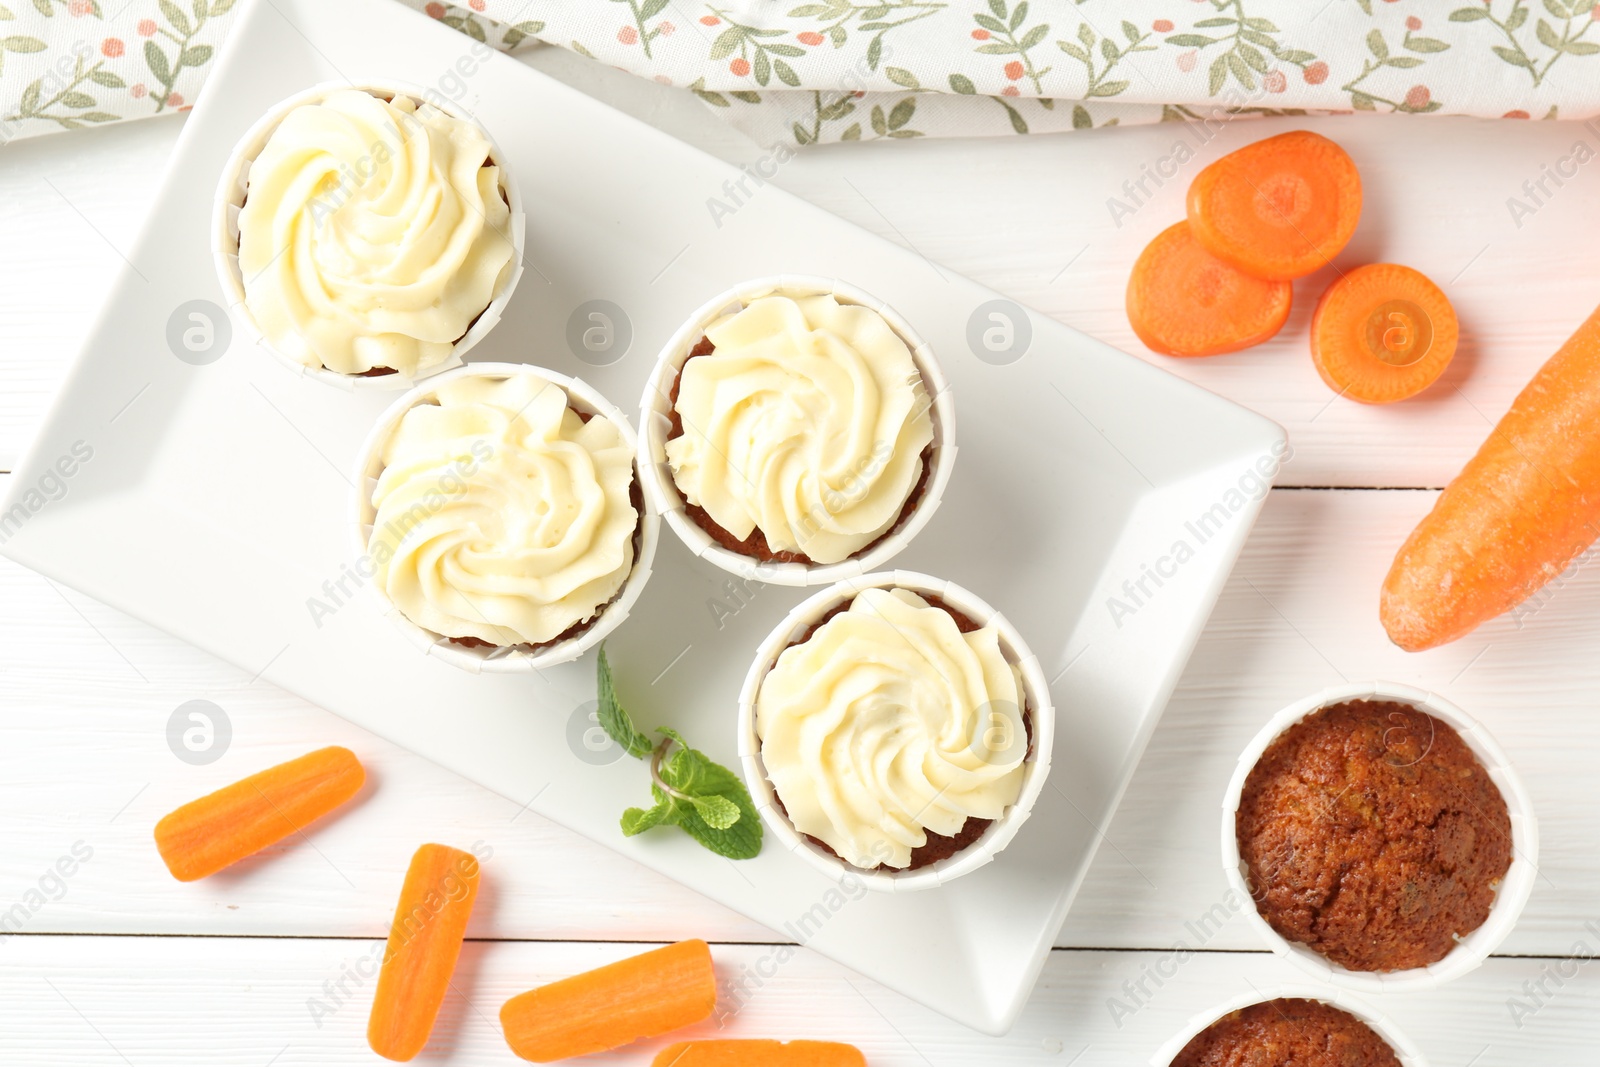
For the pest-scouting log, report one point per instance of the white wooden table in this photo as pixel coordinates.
(118, 964)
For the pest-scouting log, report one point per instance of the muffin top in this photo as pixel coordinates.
(1372, 835)
(887, 723)
(1287, 1033)
(503, 516)
(807, 421)
(372, 234)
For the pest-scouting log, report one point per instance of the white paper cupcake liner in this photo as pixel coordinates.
(1475, 947)
(656, 422)
(231, 189)
(369, 465)
(1041, 711)
(1407, 1052)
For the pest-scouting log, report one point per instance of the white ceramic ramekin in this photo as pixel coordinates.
(369, 465)
(1408, 1053)
(1470, 951)
(656, 423)
(231, 189)
(1041, 711)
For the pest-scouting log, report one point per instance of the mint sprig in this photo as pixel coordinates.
(613, 720)
(691, 791)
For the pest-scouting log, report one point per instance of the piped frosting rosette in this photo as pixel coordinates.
(895, 731)
(808, 422)
(499, 514)
(796, 430)
(889, 723)
(372, 234)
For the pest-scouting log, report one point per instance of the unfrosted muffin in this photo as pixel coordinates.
(1372, 834)
(1287, 1033)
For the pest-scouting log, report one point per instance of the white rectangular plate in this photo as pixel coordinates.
(214, 505)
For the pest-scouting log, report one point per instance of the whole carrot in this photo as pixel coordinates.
(611, 1006)
(236, 821)
(430, 923)
(1523, 508)
(758, 1053)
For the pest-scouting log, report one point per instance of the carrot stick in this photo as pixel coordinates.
(1523, 508)
(429, 924)
(1183, 301)
(236, 821)
(643, 996)
(1382, 333)
(1280, 208)
(760, 1054)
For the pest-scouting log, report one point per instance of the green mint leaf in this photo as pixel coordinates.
(694, 774)
(636, 821)
(717, 812)
(703, 798)
(741, 841)
(613, 719)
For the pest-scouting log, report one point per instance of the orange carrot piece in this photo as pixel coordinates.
(1280, 208)
(760, 1054)
(1183, 301)
(1522, 509)
(642, 996)
(429, 924)
(238, 820)
(1382, 333)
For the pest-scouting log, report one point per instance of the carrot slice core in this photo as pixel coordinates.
(222, 828)
(1398, 333)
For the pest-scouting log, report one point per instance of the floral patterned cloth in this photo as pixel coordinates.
(811, 71)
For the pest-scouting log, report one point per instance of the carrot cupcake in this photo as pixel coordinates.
(374, 232)
(1287, 1032)
(895, 729)
(1371, 834)
(800, 430)
(504, 512)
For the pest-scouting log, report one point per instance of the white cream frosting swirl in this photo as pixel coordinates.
(889, 722)
(501, 514)
(373, 233)
(808, 421)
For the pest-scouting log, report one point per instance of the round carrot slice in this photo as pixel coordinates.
(1279, 208)
(1383, 332)
(1183, 301)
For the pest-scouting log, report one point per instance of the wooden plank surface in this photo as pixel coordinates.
(86, 693)
(246, 1002)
